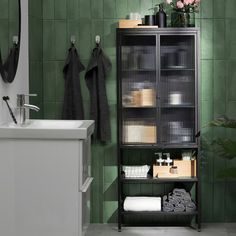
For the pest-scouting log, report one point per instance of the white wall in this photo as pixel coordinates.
(21, 82)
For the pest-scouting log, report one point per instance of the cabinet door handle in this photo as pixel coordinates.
(86, 185)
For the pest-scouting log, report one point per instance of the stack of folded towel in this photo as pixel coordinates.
(136, 171)
(178, 201)
(142, 204)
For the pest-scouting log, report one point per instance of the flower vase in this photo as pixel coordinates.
(182, 19)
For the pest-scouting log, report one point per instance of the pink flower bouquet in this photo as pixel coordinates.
(184, 5)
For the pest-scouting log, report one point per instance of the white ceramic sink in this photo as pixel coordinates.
(48, 129)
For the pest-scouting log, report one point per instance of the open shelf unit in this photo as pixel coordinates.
(158, 109)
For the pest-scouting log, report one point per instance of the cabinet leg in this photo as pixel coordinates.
(119, 227)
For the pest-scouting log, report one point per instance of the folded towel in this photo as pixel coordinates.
(168, 207)
(136, 171)
(142, 204)
(174, 200)
(179, 208)
(190, 207)
(164, 198)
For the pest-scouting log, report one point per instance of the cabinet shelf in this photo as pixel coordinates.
(159, 180)
(177, 69)
(139, 71)
(159, 146)
(141, 107)
(159, 213)
(169, 106)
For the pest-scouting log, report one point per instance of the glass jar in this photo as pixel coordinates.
(191, 19)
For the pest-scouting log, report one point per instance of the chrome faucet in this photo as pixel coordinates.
(22, 106)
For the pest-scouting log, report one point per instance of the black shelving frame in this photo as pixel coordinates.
(160, 145)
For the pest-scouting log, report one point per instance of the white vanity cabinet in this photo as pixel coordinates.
(45, 185)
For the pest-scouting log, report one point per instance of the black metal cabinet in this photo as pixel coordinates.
(158, 101)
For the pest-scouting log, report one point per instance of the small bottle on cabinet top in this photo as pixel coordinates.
(161, 17)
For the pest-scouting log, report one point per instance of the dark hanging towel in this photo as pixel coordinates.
(11, 63)
(2, 69)
(98, 67)
(73, 104)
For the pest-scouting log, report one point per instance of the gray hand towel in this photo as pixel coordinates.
(179, 208)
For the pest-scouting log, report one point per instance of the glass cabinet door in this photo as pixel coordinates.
(178, 94)
(138, 89)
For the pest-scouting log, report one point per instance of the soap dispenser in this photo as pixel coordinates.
(161, 17)
(159, 161)
(168, 161)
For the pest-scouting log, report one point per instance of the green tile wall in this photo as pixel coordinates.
(36, 56)
(56, 20)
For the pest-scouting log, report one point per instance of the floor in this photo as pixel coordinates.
(228, 229)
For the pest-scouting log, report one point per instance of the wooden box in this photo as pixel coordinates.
(129, 23)
(149, 134)
(163, 172)
(186, 168)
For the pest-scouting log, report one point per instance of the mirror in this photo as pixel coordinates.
(9, 38)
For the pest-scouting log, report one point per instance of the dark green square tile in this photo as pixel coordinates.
(230, 38)
(207, 204)
(231, 83)
(59, 81)
(111, 92)
(207, 39)
(60, 39)
(207, 80)
(14, 9)
(58, 110)
(134, 6)
(85, 8)
(49, 110)
(122, 9)
(219, 80)
(206, 113)
(48, 9)
(206, 9)
(97, 9)
(231, 109)
(85, 38)
(60, 9)
(219, 39)
(49, 81)
(35, 39)
(110, 37)
(219, 9)
(73, 9)
(48, 40)
(4, 9)
(109, 9)
(36, 79)
(230, 8)
(35, 9)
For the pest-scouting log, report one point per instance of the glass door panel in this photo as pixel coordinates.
(138, 89)
(177, 78)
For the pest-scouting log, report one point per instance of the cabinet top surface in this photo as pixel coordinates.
(159, 30)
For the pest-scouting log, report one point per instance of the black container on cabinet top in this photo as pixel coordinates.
(161, 17)
(150, 20)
